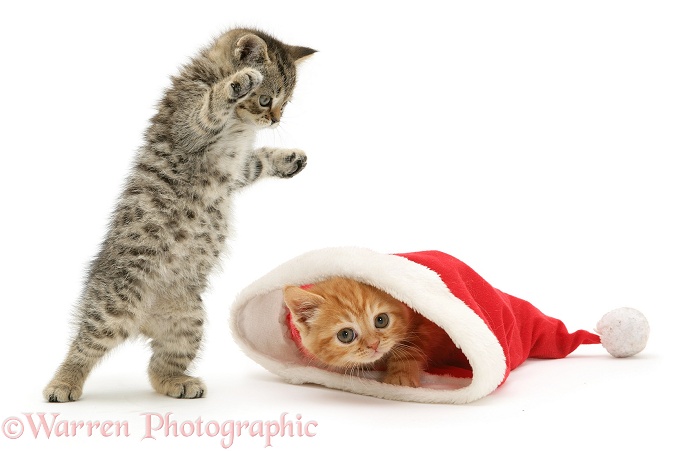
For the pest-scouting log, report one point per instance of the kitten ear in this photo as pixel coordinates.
(303, 304)
(251, 48)
(300, 54)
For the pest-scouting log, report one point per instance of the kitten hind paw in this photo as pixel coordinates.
(62, 392)
(181, 387)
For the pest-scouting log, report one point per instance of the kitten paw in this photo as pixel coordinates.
(288, 162)
(404, 379)
(243, 82)
(181, 387)
(59, 391)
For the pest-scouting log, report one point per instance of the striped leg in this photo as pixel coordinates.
(175, 345)
(95, 337)
(272, 162)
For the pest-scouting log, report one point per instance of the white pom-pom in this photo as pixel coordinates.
(624, 332)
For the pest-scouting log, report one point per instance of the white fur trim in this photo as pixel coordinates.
(259, 327)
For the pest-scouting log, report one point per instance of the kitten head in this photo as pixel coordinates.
(344, 323)
(275, 60)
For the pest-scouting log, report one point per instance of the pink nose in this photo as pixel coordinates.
(276, 115)
(374, 346)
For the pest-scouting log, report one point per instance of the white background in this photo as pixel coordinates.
(536, 141)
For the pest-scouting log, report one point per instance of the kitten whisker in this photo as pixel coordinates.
(355, 370)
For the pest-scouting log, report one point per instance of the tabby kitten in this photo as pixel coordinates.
(171, 221)
(351, 326)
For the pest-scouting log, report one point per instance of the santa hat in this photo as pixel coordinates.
(493, 332)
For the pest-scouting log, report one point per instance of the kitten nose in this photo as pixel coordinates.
(374, 346)
(276, 115)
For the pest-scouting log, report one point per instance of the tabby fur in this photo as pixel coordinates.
(170, 224)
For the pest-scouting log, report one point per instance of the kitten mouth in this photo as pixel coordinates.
(368, 359)
(376, 355)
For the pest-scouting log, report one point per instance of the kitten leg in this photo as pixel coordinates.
(209, 108)
(273, 162)
(98, 332)
(175, 344)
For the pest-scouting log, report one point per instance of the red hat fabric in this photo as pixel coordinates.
(521, 329)
(495, 331)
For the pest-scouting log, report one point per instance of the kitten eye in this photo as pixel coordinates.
(346, 335)
(265, 100)
(381, 320)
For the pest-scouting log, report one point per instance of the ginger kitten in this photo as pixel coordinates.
(350, 325)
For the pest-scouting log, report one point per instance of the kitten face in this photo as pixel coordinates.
(275, 61)
(344, 323)
(265, 106)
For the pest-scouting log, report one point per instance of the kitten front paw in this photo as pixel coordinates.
(288, 162)
(243, 82)
(403, 378)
